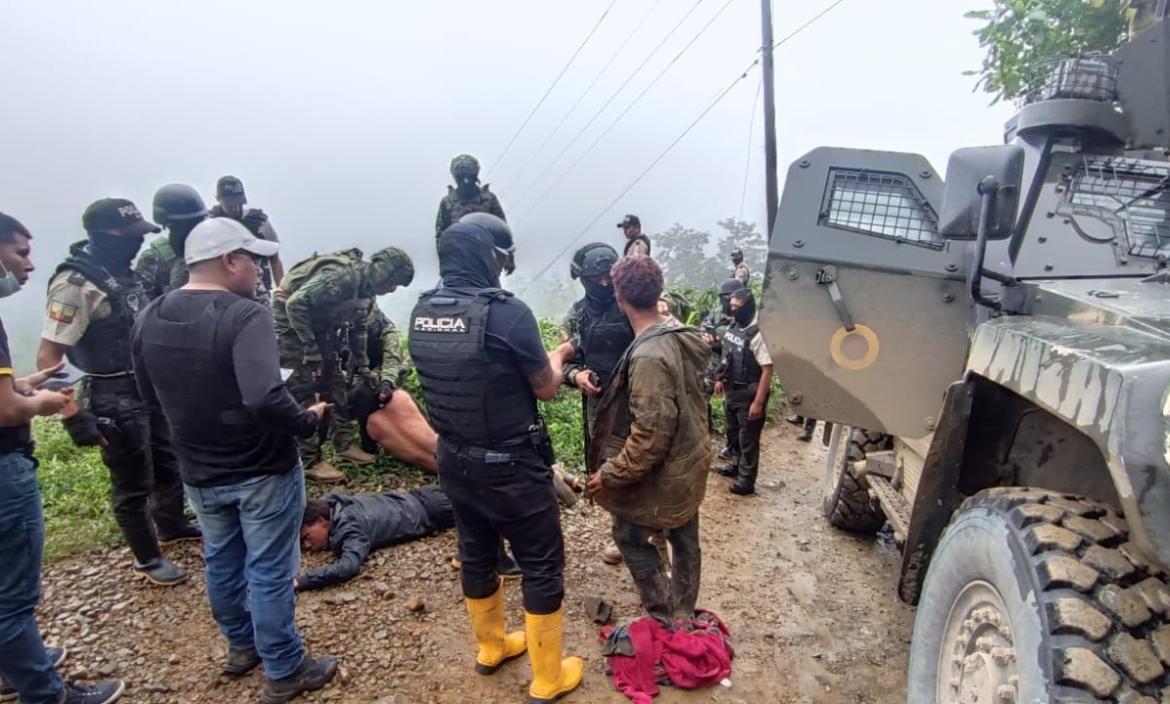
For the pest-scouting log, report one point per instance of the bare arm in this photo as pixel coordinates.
(765, 384)
(18, 409)
(277, 268)
(50, 353)
(546, 382)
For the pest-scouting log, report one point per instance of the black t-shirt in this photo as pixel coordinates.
(17, 437)
(512, 335)
(230, 414)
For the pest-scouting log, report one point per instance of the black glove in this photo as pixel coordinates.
(385, 391)
(83, 429)
(254, 218)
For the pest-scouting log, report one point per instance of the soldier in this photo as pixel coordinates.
(746, 379)
(93, 298)
(466, 196)
(600, 334)
(322, 306)
(482, 366)
(230, 202)
(740, 272)
(179, 208)
(636, 242)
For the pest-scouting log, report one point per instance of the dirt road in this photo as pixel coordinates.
(812, 611)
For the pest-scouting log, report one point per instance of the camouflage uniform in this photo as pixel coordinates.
(453, 206)
(154, 266)
(324, 306)
(387, 359)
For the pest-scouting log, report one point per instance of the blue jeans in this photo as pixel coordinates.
(251, 547)
(23, 661)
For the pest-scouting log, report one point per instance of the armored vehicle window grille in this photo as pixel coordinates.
(1131, 197)
(881, 204)
(1089, 77)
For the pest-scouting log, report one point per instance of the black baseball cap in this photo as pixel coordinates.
(230, 189)
(116, 214)
(630, 220)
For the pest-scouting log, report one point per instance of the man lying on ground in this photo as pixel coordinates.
(353, 526)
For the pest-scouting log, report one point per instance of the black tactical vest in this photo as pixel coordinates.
(471, 400)
(604, 337)
(479, 203)
(203, 403)
(105, 346)
(737, 345)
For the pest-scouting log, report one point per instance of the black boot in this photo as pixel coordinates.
(313, 674)
(161, 571)
(240, 662)
(727, 470)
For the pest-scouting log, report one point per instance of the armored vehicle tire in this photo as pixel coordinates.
(847, 503)
(1033, 596)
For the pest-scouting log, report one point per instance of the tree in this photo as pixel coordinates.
(743, 235)
(1022, 37)
(682, 254)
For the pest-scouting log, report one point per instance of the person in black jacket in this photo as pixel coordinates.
(353, 526)
(205, 355)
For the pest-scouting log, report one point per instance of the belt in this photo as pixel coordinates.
(505, 453)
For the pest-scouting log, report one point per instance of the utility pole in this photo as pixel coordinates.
(771, 186)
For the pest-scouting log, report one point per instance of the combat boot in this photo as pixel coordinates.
(495, 645)
(356, 455)
(552, 676)
(313, 674)
(322, 471)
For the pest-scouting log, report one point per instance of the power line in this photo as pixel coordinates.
(748, 163)
(556, 80)
(625, 112)
(671, 146)
(621, 47)
(606, 104)
(642, 175)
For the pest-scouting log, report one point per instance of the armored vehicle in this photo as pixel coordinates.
(994, 353)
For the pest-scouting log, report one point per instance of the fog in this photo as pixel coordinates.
(341, 119)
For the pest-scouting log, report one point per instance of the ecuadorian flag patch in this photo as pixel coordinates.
(62, 312)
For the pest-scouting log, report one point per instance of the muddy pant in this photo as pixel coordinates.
(146, 491)
(666, 598)
(511, 496)
(746, 433)
(24, 664)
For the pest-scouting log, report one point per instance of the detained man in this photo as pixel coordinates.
(649, 457)
(206, 355)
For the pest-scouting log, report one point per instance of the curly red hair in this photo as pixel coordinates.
(637, 280)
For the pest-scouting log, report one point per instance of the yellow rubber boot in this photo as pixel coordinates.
(495, 646)
(552, 677)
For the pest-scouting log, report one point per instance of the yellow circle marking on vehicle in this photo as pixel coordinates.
(837, 348)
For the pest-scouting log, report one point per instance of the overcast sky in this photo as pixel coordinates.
(342, 118)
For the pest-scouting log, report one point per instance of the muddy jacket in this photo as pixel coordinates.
(359, 524)
(651, 433)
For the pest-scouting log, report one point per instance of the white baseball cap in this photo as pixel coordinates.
(215, 237)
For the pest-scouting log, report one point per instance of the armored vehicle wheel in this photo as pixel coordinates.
(847, 502)
(1033, 596)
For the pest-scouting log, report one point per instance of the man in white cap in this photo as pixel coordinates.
(206, 355)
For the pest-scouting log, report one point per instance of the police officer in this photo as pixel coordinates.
(746, 378)
(231, 202)
(740, 271)
(179, 208)
(466, 196)
(93, 298)
(482, 367)
(600, 334)
(636, 242)
(321, 307)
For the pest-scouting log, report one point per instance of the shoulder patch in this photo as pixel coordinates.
(77, 278)
(62, 312)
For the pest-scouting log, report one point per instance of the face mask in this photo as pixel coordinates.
(115, 251)
(597, 292)
(726, 305)
(8, 285)
(745, 314)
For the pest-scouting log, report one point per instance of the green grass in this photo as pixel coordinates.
(75, 484)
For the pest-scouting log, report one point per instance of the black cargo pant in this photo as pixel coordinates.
(665, 598)
(511, 495)
(146, 490)
(746, 432)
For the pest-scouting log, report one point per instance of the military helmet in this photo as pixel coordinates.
(730, 286)
(594, 259)
(176, 202)
(389, 267)
(465, 165)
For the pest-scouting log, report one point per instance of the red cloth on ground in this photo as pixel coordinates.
(694, 654)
